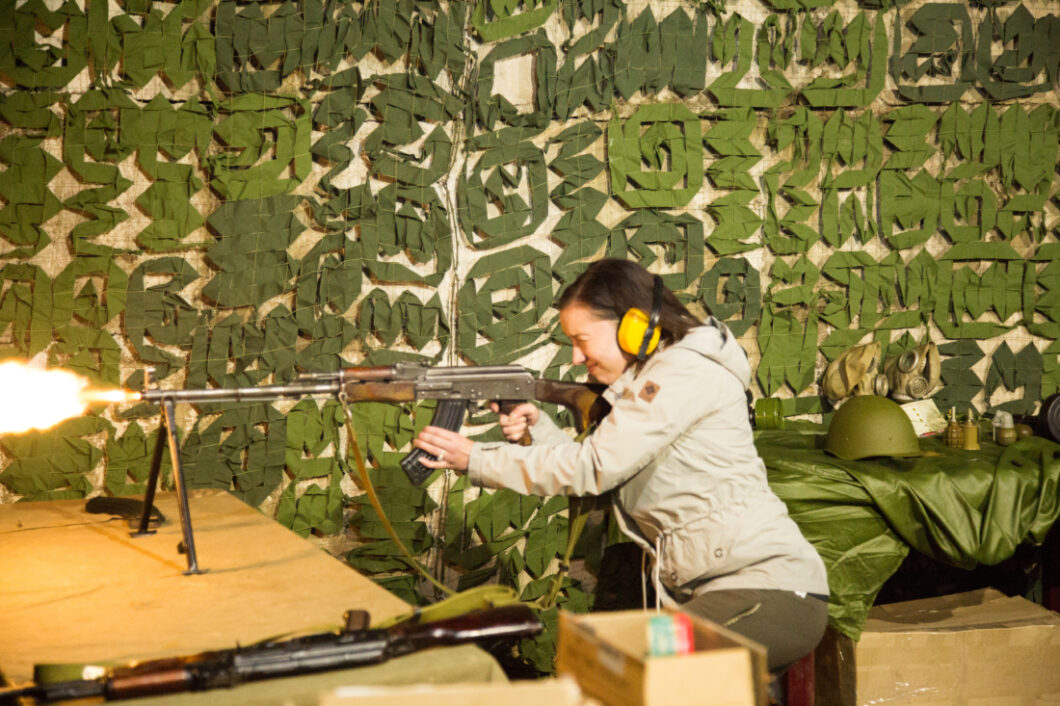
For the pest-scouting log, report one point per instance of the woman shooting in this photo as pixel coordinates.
(678, 451)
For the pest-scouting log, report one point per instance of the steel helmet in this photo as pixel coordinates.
(870, 425)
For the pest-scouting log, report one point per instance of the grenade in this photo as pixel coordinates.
(1004, 431)
(971, 433)
(954, 434)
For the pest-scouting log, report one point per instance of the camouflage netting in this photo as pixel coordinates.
(236, 192)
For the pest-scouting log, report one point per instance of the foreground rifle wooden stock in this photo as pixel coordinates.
(454, 388)
(303, 655)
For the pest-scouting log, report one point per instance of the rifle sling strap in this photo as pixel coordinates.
(373, 498)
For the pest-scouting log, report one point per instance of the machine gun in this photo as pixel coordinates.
(453, 387)
(283, 658)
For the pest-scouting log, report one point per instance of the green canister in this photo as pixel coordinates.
(768, 413)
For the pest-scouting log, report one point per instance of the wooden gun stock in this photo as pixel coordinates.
(585, 401)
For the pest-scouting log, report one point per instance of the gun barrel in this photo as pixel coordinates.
(359, 374)
(242, 394)
(47, 693)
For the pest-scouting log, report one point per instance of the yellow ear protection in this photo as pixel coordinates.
(638, 333)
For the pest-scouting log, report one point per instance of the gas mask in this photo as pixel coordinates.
(852, 372)
(913, 375)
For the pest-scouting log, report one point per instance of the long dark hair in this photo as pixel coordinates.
(611, 287)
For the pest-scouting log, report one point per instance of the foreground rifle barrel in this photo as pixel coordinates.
(453, 387)
(313, 653)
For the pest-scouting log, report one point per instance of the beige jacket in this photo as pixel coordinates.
(678, 447)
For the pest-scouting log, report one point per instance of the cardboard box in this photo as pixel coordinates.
(551, 692)
(979, 647)
(605, 652)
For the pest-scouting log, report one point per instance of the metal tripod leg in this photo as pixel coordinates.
(169, 427)
(152, 483)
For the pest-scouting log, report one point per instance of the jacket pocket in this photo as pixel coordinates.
(699, 549)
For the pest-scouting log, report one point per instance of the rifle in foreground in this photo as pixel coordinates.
(454, 388)
(283, 658)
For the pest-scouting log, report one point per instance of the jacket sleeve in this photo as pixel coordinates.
(548, 432)
(649, 412)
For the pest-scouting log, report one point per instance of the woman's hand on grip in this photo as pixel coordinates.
(516, 422)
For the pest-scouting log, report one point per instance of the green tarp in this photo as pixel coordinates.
(962, 508)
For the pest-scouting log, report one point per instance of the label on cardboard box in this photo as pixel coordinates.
(669, 634)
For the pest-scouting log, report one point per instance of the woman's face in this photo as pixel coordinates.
(595, 342)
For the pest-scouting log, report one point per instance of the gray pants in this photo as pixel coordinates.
(788, 624)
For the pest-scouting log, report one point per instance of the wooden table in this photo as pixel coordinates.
(76, 587)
